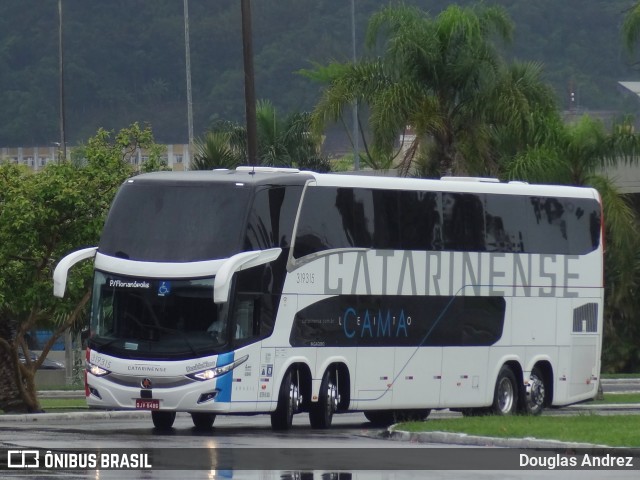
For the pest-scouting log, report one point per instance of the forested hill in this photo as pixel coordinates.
(125, 59)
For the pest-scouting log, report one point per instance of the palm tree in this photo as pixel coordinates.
(443, 77)
(217, 150)
(631, 27)
(282, 141)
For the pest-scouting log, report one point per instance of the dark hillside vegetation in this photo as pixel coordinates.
(124, 59)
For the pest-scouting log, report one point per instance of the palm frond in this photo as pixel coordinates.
(215, 151)
(631, 28)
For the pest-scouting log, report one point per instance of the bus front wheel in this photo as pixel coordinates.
(202, 420)
(321, 413)
(505, 396)
(163, 420)
(289, 401)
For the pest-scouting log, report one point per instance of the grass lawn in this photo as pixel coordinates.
(611, 430)
(619, 398)
(56, 404)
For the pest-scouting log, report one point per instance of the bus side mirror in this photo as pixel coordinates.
(62, 269)
(240, 261)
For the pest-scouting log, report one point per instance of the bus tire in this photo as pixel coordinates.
(475, 412)
(505, 394)
(536, 394)
(288, 401)
(321, 412)
(412, 415)
(381, 418)
(203, 420)
(163, 420)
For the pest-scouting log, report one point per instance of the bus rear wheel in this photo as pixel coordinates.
(536, 395)
(505, 396)
(203, 420)
(163, 420)
(321, 413)
(289, 401)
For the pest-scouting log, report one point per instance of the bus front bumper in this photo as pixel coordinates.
(193, 396)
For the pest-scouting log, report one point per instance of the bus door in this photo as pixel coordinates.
(250, 380)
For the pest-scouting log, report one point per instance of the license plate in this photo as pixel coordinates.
(145, 404)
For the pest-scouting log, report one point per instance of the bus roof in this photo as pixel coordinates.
(289, 176)
(258, 177)
(451, 184)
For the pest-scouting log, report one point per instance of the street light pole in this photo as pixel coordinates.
(63, 142)
(249, 87)
(187, 54)
(356, 133)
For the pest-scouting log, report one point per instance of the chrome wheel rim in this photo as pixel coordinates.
(505, 395)
(536, 391)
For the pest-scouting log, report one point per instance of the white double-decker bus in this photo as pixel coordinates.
(276, 291)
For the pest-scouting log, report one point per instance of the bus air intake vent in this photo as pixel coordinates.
(585, 318)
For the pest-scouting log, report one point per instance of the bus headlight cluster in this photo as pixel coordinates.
(211, 373)
(96, 370)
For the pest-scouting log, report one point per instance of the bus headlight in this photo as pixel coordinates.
(96, 370)
(206, 375)
(211, 373)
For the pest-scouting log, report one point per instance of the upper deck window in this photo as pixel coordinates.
(173, 222)
(346, 218)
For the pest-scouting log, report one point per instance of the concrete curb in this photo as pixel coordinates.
(602, 406)
(75, 416)
(479, 441)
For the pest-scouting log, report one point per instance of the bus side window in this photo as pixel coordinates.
(253, 317)
(244, 314)
(463, 226)
(272, 216)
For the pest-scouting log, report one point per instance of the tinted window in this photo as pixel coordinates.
(363, 218)
(331, 218)
(564, 225)
(463, 226)
(412, 220)
(175, 223)
(367, 321)
(254, 307)
(419, 221)
(505, 224)
(272, 217)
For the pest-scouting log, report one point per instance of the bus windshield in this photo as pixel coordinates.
(150, 318)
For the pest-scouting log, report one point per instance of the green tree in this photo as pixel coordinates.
(631, 28)
(224, 147)
(443, 77)
(44, 216)
(282, 141)
(577, 155)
